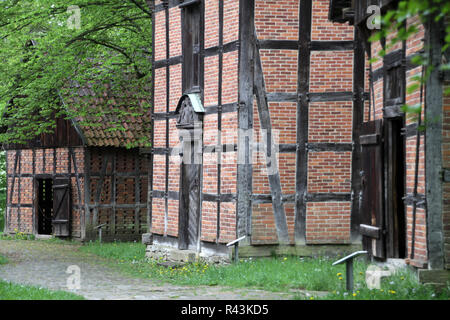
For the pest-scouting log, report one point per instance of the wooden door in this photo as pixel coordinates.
(189, 208)
(61, 207)
(371, 206)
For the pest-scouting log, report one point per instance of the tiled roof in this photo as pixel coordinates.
(108, 120)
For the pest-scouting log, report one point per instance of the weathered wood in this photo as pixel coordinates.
(245, 117)
(80, 199)
(433, 147)
(219, 120)
(301, 175)
(269, 152)
(61, 207)
(357, 120)
(372, 192)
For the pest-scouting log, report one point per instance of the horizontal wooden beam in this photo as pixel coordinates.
(314, 45)
(174, 195)
(225, 108)
(208, 52)
(310, 197)
(311, 96)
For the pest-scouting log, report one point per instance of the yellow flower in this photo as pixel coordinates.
(340, 278)
(339, 274)
(402, 278)
(311, 298)
(285, 259)
(392, 291)
(361, 273)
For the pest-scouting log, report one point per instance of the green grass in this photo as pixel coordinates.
(274, 274)
(10, 291)
(3, 260)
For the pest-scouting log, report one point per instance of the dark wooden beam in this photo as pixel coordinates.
(301, 175)
(245, 116)
(358, 118)
(433, 147)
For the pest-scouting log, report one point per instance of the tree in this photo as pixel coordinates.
(47, 46)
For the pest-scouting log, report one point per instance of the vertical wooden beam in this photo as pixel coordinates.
(33, 192)
(152, 111)
(359, 73)
(166, 189)
(112, 228)
(19, 190)
(5, 227)
(271, 157)
(80, 200)
(219, 118)
(11, 194)
(301, 175)
(87, 192)
(245, 117)
(137, 194)
(433, 147)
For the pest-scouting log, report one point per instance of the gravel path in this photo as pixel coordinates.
(44, 264)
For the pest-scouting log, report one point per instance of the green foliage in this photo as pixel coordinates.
(11, 291)
(17, 236)
(397, 26)
(43, 56)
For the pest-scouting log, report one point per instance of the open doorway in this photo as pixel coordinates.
(45, 205)
(395, 187)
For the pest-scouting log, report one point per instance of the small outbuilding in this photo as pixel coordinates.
(81, 176)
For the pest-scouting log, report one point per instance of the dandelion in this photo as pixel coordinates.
(340, 278)
(392, 291)
(311, 298)
(339, 274)
(354, 294)
(284, 259)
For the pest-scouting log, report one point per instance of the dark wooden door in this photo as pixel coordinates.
(371, 206)
(61, 207)
(189, 208)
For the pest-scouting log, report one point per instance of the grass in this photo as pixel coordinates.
(11, 291)
(3, 260)
(274, 274)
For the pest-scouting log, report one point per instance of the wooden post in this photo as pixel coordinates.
(245, 116)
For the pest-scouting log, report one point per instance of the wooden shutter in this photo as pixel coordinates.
(371, 206)
(61, 207)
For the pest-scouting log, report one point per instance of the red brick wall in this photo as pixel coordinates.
(163, 224)
(331, 71)
(44, 164)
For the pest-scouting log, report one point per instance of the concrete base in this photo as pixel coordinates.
(170, 254)
(304, 250)
(44, 236)
(436, 278)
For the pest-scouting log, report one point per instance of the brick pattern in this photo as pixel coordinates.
(22, 220)
(168, 224)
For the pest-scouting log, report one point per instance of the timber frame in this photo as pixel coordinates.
(251, 88)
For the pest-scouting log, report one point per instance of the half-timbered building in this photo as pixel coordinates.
(279, 91)
(301, 144)
(83, 175)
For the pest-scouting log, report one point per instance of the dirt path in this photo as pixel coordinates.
(44, 264)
